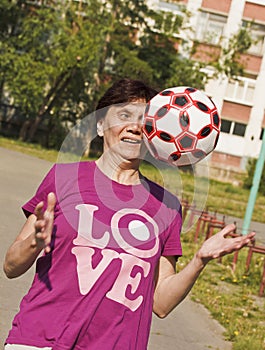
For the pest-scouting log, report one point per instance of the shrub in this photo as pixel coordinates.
(250, 174)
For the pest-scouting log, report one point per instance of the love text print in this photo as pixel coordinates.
(84, 250)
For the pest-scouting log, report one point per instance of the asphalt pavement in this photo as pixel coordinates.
(188, 327)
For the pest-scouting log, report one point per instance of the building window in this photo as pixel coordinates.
(241, 90)
(233, 128)
(226, 126)
(239, 129)
(257, 35)
(210, 27)
(171, 6)
(261, 134)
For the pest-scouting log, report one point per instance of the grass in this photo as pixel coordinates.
(224, 198)
(30, 149)
(231, 297)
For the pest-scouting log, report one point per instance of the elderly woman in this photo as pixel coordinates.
(110, 239)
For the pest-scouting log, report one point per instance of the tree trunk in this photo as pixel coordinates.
(33, 128)
(50, 100)
(23, 132)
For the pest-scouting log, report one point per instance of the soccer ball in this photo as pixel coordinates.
(181, 126)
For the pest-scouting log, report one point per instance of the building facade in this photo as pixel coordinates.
(241, 102)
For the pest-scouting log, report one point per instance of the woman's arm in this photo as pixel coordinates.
(172, 287)
(34, 236)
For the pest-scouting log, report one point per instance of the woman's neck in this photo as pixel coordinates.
(126, 172)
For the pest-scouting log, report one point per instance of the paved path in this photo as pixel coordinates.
(188, 327)
(19, 176)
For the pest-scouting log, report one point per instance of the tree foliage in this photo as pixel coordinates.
(57, 57)
(229, 62)
(251, 166)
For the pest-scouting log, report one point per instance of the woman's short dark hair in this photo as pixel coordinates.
(122, 91)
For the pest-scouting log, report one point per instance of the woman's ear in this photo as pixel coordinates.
(100, 127)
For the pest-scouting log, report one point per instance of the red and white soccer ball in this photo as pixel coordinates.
(181, 125)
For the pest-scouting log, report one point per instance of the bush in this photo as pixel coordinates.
(250, 174)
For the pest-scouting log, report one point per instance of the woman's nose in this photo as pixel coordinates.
(135, 126)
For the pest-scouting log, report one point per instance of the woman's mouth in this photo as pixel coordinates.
(133, 141)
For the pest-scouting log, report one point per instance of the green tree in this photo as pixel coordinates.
(140, 42)
(57, 58)
(229, 62)
(248, 181)
(52, 47)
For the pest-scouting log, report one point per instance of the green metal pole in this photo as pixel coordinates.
(254, 187)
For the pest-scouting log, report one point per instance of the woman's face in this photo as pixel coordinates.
(122, 130)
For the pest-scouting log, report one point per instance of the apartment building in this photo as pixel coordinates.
(241, 101)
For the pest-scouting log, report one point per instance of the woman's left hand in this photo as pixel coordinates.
(221, 244)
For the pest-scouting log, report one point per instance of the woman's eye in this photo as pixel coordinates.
(124, 115)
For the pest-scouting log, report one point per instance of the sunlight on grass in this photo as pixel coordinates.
(30, 149)
(231, 297)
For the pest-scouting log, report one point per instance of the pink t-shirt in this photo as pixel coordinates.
(94, 290)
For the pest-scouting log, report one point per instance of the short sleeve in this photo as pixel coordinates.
(172, 243)
(47, 185)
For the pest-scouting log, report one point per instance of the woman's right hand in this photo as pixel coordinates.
(44, 223)
(34, 236)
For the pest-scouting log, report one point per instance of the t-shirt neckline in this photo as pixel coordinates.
(104, 177)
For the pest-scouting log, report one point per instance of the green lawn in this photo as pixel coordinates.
(224, 198)
(231, 297)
